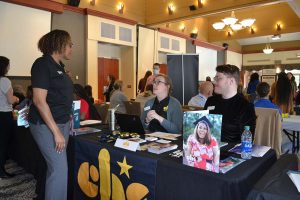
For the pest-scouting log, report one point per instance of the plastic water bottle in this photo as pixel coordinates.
(246, 143)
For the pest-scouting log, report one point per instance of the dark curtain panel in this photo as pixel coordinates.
(183, 70)
(174, 63)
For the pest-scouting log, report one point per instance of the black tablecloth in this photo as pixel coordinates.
(173, 180)
(276, 184)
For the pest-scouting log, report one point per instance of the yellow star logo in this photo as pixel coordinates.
(124, 167)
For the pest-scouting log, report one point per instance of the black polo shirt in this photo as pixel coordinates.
(161, 108)
(47, 74)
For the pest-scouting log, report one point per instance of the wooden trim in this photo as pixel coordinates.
(181, 35)
(109, 16)
(207, 45)
(39, 4)
(275, 50)
(74, 9)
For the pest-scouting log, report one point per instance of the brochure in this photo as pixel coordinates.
(229, 163)
(159, 148)
(202, 140)
(89, 122)
(22, 119)
(76, 114)
(167, 136)
(295, 177)
(257, 150)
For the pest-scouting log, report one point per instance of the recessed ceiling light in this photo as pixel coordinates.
(276, 37)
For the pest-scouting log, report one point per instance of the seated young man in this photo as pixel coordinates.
(263, 91)
(236, 110)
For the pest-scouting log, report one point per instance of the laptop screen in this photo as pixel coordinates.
(130, 123)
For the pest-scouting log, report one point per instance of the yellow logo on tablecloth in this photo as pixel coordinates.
(110, 184)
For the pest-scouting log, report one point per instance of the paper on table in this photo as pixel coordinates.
(257, 150)
(89, 122)
(168, 136)
(295, 177)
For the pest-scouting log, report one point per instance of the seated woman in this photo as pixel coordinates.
(87, 109)
(118, 97)
(162, 113)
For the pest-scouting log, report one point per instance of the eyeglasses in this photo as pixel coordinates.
(217, 79)
(158, 82)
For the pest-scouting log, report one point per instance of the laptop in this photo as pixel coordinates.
(130, 123)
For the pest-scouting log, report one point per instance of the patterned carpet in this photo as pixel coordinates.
(19, 187)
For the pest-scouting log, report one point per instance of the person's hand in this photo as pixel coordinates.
(153, 115)
(59, 142)
(16, 100)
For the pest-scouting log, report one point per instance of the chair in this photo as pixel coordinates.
(102, 109)
(133, 107)
(268, 129)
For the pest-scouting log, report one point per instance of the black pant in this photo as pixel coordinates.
(6, 128)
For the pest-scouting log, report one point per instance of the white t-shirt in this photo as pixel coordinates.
(5, 85)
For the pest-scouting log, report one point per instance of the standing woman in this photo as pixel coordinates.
(6, 118)
(111, 81)
(50, 113)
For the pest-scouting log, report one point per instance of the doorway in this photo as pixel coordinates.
(106, 66)
(163, 69)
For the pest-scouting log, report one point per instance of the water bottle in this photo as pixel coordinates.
(111, 119)
(246, 143)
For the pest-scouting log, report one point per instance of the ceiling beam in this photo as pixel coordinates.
(295, 5)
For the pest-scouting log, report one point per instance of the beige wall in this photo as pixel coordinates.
(134, 10)
(146, 51)
(128, 63)
(234, 58)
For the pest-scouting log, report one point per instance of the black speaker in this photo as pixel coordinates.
(192, 7)
(225, 45)
(74, 2)
(194, 35)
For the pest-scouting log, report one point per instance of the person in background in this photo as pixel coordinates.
(6, 116)
(18, 92)
(27, 101)
(89, 91)
(118, 97)
(205, 90)
(156, 69)
(49, 115)
(291, 77)
(87, 108)
(263, 90)
(145, 96)
(208, 78)
(142, 82)
(283, 96)
(254, 80)
(236, 110)
(109, 88)
(162, 113)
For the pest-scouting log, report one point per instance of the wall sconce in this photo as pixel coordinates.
(171, 9)
(252, 31)
(182, 28)
(120, 8)
(278, 27)
(229, 33)
(167, 25)
(92, 2)
(200, 3)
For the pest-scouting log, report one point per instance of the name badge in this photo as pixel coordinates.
(126, 144)
(210, 107)
(147, 108)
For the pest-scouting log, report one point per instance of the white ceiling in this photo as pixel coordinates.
(264, 39)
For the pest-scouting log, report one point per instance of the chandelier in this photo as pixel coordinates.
(232, 25)
(268, 49)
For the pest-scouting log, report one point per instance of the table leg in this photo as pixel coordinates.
(297, 141)
(292, 139)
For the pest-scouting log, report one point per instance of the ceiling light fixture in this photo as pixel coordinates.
(171, 9)
(268, 49)
(92, 2)
(278, 27)
(276, 37)
(231, 23)
(120, 8)
(182, 28)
